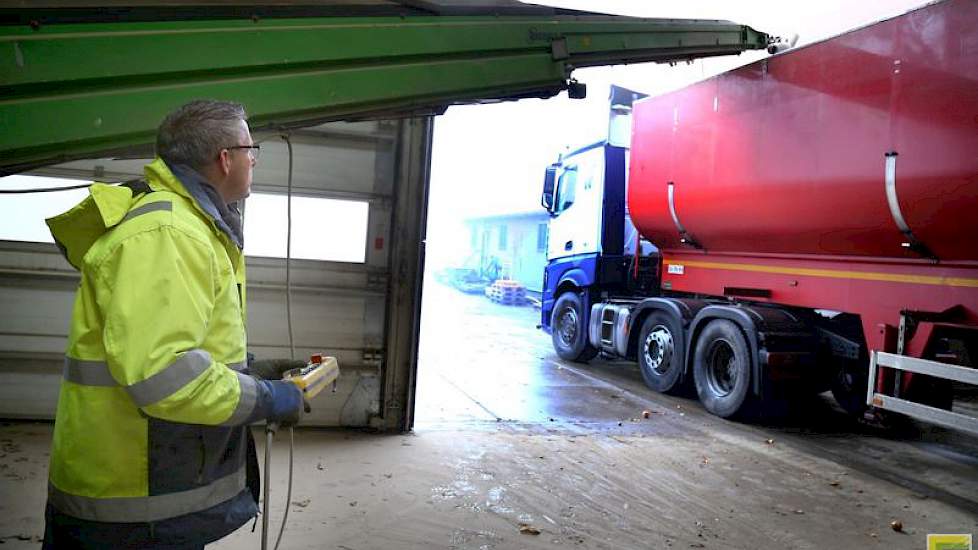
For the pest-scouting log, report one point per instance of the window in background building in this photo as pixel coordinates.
(542, 237)
(322, 229)
(22, 215)
(502, 238)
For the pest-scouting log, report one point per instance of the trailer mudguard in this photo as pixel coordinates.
(765, 327)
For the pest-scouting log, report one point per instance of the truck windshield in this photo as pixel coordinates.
(566, 189)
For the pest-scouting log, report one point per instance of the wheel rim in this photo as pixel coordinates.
(658, 349)
(567, 326)
(721, 368)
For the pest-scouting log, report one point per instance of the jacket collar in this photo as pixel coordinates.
(226, 217)
(187, 182)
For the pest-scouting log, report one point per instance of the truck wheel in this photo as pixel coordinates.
(659, 351)
(722, 368)
(849, 385)
(569, 329)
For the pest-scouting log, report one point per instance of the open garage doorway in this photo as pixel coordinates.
(483, 358)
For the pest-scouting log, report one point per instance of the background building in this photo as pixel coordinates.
(510, 246)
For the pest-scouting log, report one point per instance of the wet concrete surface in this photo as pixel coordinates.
(514, 448)
(536, 389)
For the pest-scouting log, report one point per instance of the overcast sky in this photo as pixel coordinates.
(491, 158)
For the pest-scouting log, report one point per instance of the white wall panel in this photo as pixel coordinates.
(29, 386)
(36, 310)
(318, 164)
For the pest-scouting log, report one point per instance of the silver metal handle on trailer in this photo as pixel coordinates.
(927, 413)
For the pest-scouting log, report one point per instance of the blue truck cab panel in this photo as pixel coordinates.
(591, 239)
(574, 273)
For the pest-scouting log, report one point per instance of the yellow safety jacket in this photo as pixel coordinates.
(152, 414)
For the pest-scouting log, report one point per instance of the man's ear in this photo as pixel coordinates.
(224, 159)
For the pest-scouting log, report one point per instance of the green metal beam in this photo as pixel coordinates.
(79, 90)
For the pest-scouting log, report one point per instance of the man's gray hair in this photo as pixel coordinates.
(195, 133)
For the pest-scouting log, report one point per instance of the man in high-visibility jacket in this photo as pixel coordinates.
(151, 443)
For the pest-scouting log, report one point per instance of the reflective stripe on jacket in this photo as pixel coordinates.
(152, 414)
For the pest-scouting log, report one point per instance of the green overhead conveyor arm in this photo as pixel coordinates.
(83, 89)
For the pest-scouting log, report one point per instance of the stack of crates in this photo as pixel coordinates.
(506, 292)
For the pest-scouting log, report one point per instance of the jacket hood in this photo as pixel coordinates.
(106, 206)
(76, 230)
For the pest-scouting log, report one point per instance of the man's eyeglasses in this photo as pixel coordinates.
(253, 150)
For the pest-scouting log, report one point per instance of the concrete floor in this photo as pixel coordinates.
(507, 436)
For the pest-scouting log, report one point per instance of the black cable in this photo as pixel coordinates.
(45, 190)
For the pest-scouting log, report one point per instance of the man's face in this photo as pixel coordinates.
(241, 166)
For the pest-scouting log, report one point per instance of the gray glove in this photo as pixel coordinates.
(272, 369)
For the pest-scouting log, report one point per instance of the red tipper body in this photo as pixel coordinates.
(779, 177)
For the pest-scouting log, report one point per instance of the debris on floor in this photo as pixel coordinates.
(527, 529)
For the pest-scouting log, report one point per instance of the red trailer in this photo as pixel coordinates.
(840, 177)
(816, 218)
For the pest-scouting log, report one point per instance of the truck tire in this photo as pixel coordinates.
(722, 368)
(659, 351)
(849, 385)
(569, 329)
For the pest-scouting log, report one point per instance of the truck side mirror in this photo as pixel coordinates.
(549, 180)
